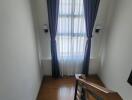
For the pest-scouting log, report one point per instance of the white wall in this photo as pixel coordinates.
(45, 38)
(116, 63)
(19, 69)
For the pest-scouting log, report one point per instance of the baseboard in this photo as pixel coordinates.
(41, 84)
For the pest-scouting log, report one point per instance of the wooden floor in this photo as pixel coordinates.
(61, 89)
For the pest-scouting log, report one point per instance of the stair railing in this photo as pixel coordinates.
(89, 88)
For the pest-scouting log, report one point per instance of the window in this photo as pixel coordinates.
(71, 32)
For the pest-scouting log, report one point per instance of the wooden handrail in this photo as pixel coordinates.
(100, 91)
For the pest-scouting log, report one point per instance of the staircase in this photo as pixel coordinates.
(86, 90)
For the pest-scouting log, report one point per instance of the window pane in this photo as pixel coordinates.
(63, 45)
(79, 25)
(64, 25)
(65, 7)
(67, 46)
(78, 46)
(78, 7)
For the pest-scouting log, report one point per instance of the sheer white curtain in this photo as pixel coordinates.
(71, 36)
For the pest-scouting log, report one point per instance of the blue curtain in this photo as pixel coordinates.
(90, 11)
(53, 7)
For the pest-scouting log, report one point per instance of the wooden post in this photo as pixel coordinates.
(76, 87)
